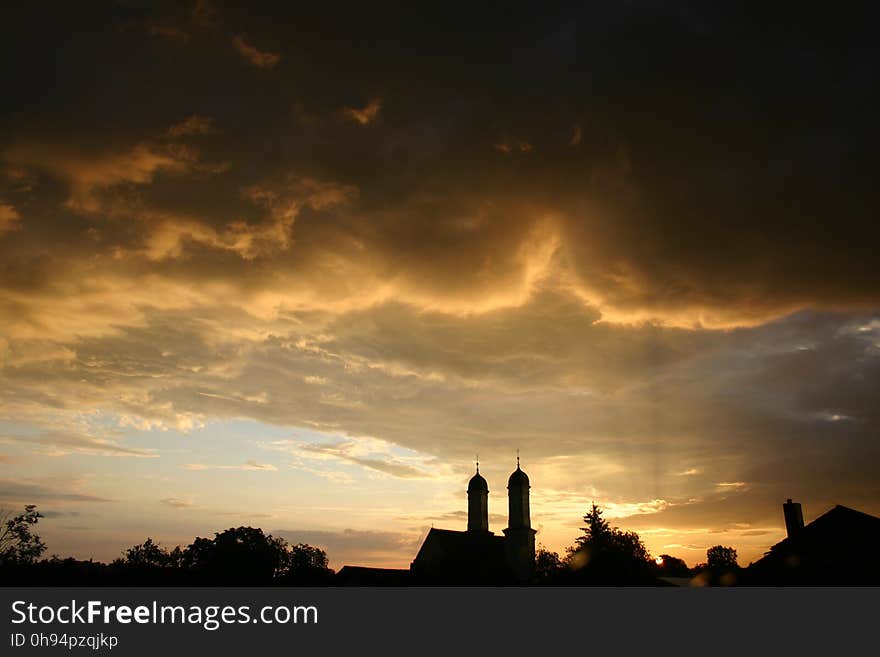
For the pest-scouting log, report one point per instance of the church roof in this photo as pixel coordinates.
(451, 557)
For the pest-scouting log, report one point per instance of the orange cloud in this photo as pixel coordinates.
(169, 232)
(259, 58)
(364, 115)
(169, 32)
(88, 175)
(203, 10)
(192, 125)
(509, 146)
(9, 218)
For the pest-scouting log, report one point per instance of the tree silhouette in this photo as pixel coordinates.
(608, 555)
(242, 555)
(304, 564)
(670, 566)
(720, 568)
(720, 557)
(148, 554)
(597, 531)
(601, 538)
(18, 542)
(548, 566)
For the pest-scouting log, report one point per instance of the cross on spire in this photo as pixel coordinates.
(517, 458)
(478, 462)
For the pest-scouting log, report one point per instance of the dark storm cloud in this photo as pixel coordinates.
(257, 57)
(721, 170)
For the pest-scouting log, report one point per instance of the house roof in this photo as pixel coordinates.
(839, 525)
(365, 576)
(837, 547)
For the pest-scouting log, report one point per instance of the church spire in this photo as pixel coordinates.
(518, 498)
(520, 537)
(478, 502)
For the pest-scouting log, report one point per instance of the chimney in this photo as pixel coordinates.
(794, 517)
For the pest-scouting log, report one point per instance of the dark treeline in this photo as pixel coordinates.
(246, 556)
(242, 556)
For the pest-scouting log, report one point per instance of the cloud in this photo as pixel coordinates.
(171, 234)
(9, 218)
(253, 465)
(626, 509)
(59, 514)
(619, 215)
(508, 146)
(170, 32)
(759, 532)
(247, 465)
(58, 443)
(366, 452)
(364, 115)
(685, 546)
(203, 9)
(677, 300)
(384, 377)
(90, 175)
(192, 125)
(33, 492)
(355, 546)
(177, 503)
(259, 58)
(731, 485)
(459, 518)
(343, 451)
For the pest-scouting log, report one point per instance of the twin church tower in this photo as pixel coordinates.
(477, 556)
(519, 537)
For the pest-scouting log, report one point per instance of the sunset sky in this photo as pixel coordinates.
(294, 266)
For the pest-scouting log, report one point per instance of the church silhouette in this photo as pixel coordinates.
(476, 556)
